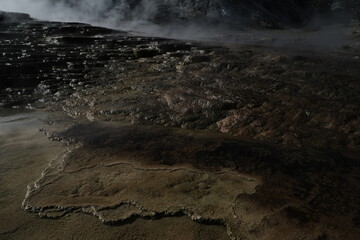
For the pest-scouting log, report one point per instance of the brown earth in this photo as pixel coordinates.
(171, 139)
(119, 173)
(24, 154)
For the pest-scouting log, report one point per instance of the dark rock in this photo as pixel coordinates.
(145, 53)
(7, 17)
(173, 47)
(199, 58)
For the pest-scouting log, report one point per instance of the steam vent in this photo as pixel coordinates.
(182, 120)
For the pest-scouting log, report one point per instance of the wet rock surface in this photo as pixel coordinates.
(263, 141)
(43, 58)
(286, 99)
(118, 173)
(25, 153)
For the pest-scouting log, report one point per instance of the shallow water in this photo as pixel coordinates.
(25, 153)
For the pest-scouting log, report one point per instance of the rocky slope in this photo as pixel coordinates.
(263, 141)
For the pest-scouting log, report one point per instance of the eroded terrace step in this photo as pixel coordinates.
(53, 56)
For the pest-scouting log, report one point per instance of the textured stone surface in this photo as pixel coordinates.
(25, 153)
(262, 142)
(118, 173)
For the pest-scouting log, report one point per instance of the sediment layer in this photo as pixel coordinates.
(264, 141)
(118, 173)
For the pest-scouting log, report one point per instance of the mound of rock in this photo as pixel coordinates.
(6, 17)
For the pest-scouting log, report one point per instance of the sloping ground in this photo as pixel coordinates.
(25, 153)
(277, 156)
(266, 96)
(120, 173)
(38, 58)
(292, 99)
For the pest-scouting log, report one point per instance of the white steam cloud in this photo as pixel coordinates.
(118, 14)
(114, 14)
(107, 13)
(85, 11)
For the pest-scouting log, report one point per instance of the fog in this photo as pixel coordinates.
(105, 12)
(102, 13)
(53, 10)
(117, 15)
(139, 19)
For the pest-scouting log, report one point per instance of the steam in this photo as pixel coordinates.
(81, 11)
(104, 12)
(120, 14)
(141, 16)
(137, 16)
